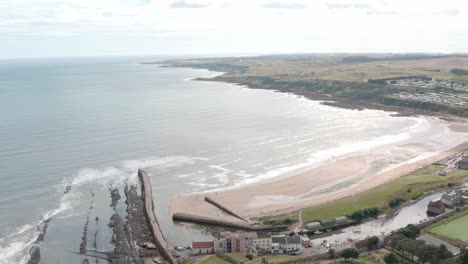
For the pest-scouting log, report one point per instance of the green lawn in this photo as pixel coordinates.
(213, 260)
(455, 229)
(274, 259)
(238, 257)
(409, 186)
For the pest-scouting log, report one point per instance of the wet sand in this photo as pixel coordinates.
(290, 194)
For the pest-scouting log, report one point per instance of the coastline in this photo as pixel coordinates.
(283, 194)
(286, 195)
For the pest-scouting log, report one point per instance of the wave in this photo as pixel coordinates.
(14, 247)
(316, 158)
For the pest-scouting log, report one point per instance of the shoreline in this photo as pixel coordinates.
(282, 194)
(285, 195)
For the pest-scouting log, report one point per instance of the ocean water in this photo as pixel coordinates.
(91, 123)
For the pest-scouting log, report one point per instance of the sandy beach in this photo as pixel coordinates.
(293, 193)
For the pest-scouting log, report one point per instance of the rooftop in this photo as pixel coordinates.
(196, 245)
(436, 204)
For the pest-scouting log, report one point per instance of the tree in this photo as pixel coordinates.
(357, 216)
(463, 258)
(331, 253)
(372, 242)
(249, 256)
(410, 231)
(443, 252)
(395, 240)
(390, 258)
(350, 253)
(428, 253)
(412, 246)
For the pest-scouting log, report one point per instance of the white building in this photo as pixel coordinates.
(283, 244)
(313, 226)
(262, 243)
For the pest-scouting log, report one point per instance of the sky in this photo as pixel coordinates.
(56, 28)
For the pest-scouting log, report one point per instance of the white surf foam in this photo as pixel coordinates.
(14, 247)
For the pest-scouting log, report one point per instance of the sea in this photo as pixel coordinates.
(90, 123)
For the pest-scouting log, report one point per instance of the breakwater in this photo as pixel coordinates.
(158, 237)
(182, 217)
(224, 208)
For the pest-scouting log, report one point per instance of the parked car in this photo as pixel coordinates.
(179, 248)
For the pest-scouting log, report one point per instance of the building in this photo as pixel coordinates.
(341, 219)
(328, 222)
(263, 244)
(249, 239)
(435, 208)
(437, 242)
(463, 164)
(230, 244)
(452, 199)
(283, 244)
(313, 226)
(202, 248)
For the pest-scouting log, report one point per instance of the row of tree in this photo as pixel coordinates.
(404, 241)
(363, 214)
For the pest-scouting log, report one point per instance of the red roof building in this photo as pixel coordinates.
(202, 247)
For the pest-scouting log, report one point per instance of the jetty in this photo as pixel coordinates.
(153, 224)
(183, 217)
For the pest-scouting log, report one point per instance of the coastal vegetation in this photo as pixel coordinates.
(356, 82)
(408, 187)
(213, 259)
(457, 71)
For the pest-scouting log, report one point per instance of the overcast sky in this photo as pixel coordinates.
(45, 28)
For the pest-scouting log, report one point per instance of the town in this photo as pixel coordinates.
(314, 242)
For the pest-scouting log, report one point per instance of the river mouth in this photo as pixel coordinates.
(412, 214)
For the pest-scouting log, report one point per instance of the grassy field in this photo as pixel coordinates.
(455, 229)
(283, 219)
(238, 257)
(274, 259)
(410, 186)
(213, 260)
(346, 83)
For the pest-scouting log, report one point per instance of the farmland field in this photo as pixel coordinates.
(456, 229)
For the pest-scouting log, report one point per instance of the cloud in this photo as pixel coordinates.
(448, 12)
(283, 5)
(184, 4)
(347, 5)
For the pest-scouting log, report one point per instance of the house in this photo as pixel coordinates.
(437, 242)
(435, 207)
(328, 222)
(283, 244)
(230, 244)
(463, 164)
(341, 219)
(451, 200)
(263, 244)
(249, 239)
(313, 226)
(202, 247)
(447, 201)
